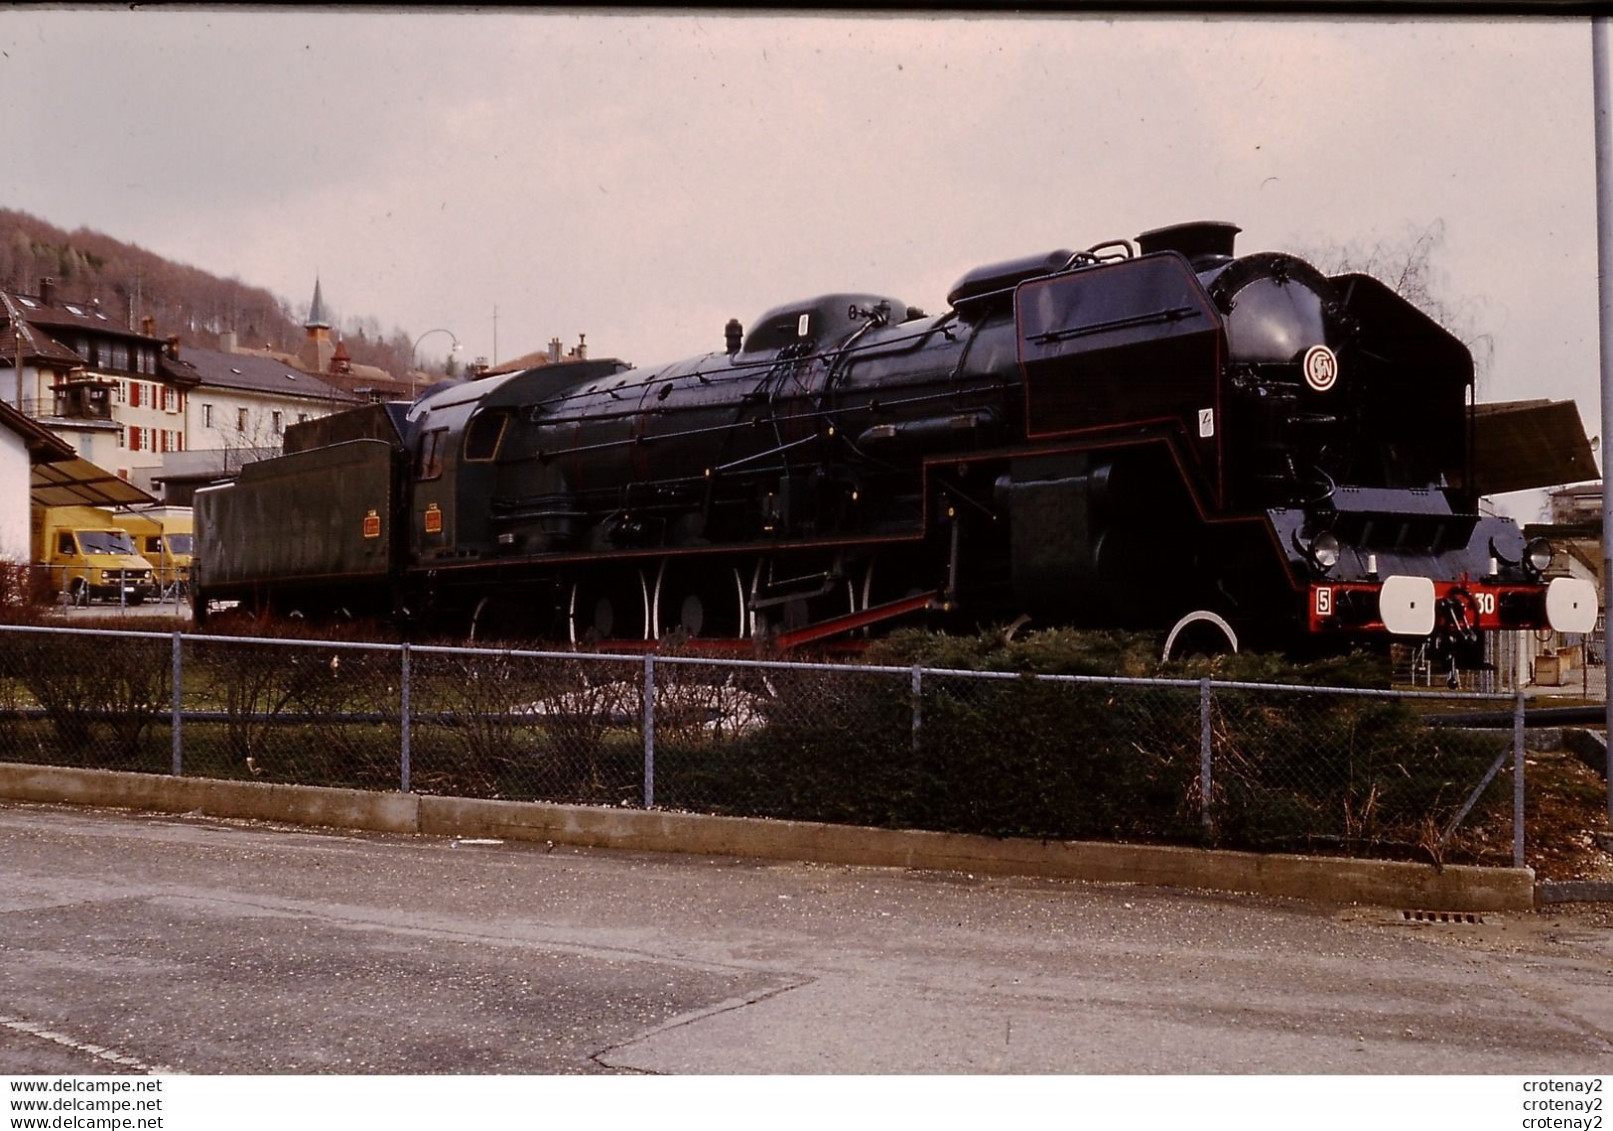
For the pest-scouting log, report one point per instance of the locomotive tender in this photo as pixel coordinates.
(1235, 451)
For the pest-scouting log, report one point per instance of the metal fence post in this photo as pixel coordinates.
(1204, 751)
(178, 681)
(1517, 780)
(649, 732)
(918, 705)
(405, 723)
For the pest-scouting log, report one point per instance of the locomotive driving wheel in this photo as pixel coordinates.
(698, 599)
(612, 605)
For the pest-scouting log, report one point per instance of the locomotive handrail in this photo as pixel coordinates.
(1170, 314)
(1092, 255)
(634, 441)
(734, 372)
(763, 455)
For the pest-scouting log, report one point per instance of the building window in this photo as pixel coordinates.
(207, 416)
(134, 394)
(113, 355)
(240, 420)
(302, 418)
(275, 417)
(134, 438)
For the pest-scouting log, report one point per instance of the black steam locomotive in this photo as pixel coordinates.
(1235, 451)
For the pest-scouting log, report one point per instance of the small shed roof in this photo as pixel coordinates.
(78, 482)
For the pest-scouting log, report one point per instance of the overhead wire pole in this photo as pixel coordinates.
(1604, 275)
(19, 332)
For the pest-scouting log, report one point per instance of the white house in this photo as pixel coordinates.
(237, 410)
(23, 443)
(106, 389)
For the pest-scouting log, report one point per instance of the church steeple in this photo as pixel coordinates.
(316, 311)
(317, 350)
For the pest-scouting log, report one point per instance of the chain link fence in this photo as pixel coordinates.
(1196, 762)
(82, 586)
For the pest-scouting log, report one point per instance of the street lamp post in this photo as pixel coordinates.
(414, 355)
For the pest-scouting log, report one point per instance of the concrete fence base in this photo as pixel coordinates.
(1322, 879)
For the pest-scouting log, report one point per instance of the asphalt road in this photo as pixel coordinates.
(193, 945)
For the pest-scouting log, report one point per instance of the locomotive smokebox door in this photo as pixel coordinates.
(1134, 342)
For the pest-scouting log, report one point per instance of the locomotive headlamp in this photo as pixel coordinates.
(1538, 554)
(1324, 551)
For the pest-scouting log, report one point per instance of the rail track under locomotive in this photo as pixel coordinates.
(1235, 451)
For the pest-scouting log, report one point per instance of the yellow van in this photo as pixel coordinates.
(164, 536)
(89, 557)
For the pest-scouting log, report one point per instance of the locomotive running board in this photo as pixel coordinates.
(852, 621)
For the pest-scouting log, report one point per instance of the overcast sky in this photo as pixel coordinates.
(643, 177)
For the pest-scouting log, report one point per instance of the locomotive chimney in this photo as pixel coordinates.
(734, 332)
(1205, 243)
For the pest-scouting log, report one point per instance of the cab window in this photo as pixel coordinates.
(483, 435)
(428, 456)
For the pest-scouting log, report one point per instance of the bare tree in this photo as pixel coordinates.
(1408, 265)
(251, 440)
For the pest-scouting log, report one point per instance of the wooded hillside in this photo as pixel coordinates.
(131, 283)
